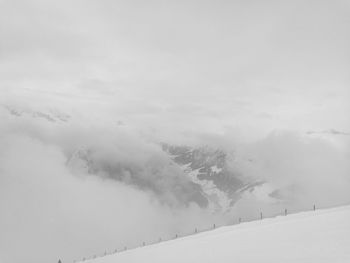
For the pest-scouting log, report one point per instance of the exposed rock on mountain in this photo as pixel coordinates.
(208, 168)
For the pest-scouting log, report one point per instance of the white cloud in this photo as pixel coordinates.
(50, 213)
(234, 61)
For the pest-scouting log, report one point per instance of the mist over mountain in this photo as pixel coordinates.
(123, 122)
(60, 168)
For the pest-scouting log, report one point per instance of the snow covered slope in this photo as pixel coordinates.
(208, 168)
(315, 236)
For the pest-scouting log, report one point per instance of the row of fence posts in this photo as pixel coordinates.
(195, 232)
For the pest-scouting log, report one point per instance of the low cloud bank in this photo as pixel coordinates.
(48, 212)
(299, 171)
(51, 209)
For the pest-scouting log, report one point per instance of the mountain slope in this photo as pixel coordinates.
(320, 236)
(208, 168)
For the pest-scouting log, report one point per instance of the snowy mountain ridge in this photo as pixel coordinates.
(51, 115)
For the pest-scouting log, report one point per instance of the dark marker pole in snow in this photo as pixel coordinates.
(143, 244)
(214, 226)
(195, 230)
(239, 220)
(176, 236)
(314, 207)
(261, 215)
(285, 211)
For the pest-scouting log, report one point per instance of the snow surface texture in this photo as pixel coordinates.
(315, 236)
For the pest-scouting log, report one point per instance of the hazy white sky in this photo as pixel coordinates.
(184, 65)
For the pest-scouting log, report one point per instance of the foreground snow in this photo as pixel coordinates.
(320, 236)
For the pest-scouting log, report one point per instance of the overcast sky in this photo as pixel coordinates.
(184, 65)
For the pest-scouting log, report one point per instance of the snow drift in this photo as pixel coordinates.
(315, 236)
